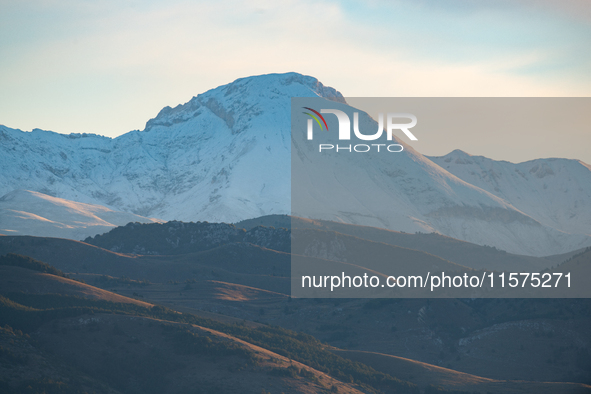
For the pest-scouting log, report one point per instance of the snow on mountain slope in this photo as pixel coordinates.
(225, 156)
(23, 212)
(555, 192)
(408, 192)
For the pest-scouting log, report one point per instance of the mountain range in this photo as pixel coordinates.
(225, 156)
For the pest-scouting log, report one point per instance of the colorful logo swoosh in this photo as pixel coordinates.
(316, 117)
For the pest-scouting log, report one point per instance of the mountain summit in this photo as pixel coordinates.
(225, 156)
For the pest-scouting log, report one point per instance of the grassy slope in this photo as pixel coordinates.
(68, 326)
(485, 335)
(453, 380)
(459, 252)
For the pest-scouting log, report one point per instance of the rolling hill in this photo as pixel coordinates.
(133, 347)
(460, 252)
(241, 282)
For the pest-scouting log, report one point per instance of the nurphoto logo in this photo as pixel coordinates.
(344, 131)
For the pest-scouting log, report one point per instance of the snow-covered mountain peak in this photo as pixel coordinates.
(222, 156)
(225, 156)
(457, 156)
(555, 192)
(239, 102)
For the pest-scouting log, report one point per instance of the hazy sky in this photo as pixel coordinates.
(107, 66)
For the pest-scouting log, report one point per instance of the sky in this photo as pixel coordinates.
(107, 67)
